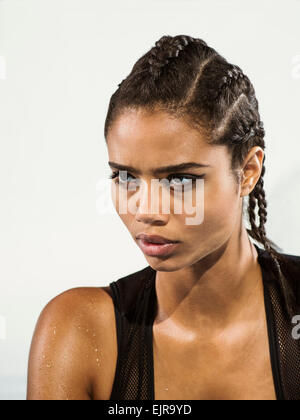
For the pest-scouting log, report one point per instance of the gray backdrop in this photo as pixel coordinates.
(60, 61)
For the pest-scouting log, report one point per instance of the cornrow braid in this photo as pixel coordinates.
(165, 49)
(257, 197)
(233, 74)
(185, 77)
(121, 82)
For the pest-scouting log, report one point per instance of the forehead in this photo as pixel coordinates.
(140, 139)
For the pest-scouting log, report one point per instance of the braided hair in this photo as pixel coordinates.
(185, 77)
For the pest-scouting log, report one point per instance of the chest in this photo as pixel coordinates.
(232, 366)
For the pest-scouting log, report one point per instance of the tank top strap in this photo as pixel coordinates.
(135, 306)
(284, 348)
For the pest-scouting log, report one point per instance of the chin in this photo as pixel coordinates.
(167, 264)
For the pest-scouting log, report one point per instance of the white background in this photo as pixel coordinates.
(60, 61)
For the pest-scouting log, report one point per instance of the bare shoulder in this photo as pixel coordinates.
(73, 350)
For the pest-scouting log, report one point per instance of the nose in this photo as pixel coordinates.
(149, 205)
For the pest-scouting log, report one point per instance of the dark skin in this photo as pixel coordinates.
(211, 320)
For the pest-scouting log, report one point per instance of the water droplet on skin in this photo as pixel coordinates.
(44, 357)
(48, 365)
(166, 389)
(87, 330)
(96, 349)
(94, 335)
(97, 360)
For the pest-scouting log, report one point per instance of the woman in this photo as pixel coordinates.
(212, 315)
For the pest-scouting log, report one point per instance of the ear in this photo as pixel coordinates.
(251, 170)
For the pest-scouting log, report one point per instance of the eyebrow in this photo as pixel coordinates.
(157, 171)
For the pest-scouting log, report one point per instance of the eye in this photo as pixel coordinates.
(121, 180)
(181, 180)
(178, 179)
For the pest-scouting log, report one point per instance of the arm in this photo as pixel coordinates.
(59, 366)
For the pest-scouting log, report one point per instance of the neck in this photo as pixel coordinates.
(216, 291)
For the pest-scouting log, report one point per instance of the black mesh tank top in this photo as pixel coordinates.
(135, 304)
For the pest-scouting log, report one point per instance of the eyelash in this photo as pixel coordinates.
(115, 174)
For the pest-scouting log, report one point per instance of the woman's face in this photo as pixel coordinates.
(148, 141)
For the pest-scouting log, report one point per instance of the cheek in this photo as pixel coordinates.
(222, 203)
(128, 220)
(126, 217)
(221, 206)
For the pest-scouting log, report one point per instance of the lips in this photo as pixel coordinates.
(155, 239)
(157, 249)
